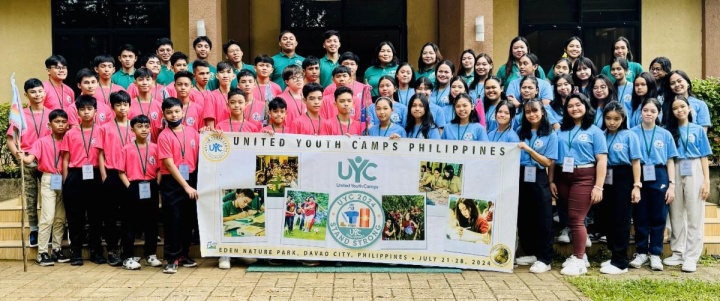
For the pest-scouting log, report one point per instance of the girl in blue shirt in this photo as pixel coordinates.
(385, 127)
(457, 87)
(660, 67)
(584, 73)
(420, 122)
(562, 89)
(622, 187)
(680, 85)
(387, 88)
(603, 92)
(624, 88)
(643, 88)
(440, 95)
(405, 78)
(466, 69)
(692, 174)
(423, 85)
(562, 66)
(483, 70)
(579, 173)
(539, 150)
(658, 186)
(465, 126)
(528, 66)
(528, 91)
(429, 58)
(493, 95)
(504, 114)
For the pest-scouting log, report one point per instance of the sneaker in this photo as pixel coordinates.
(97, 257)
(76, 260)
(275, 262)
(33, 239)
(310, 263)
(526, 260)
(612, 270)
(556, 218)
(59, 256)
(572, 257)
(187, 262)
(153, 261)
(43, 259)
(171, 267)
(639, 261)
(224, 262)
(674, 260)
(603, 239)
(131, 264)
(689, 266)
(576, 267)
(539, 267)
(656, 263)
(588, 242)
(564, 236)
(114, 260)
(248, 261)
(605, 263)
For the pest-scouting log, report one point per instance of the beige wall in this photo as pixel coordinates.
(179, 25)
(422, 26)
(711, 38)
(506, 15)
(264, 27)
(25, 35)
(677, 36)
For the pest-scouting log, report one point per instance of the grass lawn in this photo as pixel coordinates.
(601, 288)
(296, 233)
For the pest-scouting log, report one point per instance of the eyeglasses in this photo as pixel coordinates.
(58, 67)
(599, 88)
(296, 77)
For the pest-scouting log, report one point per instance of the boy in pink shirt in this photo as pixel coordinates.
(112, 138)
(311, 70)
(138, 170)
(311, 123)
(82, 183)
(58, 95)
(152, 63)
(144, 102)
(342, 78)
(52, 221)
(343, 123)
(266, 88)
(202, 94)
(217, 109)
(236, 122)
(36, 118)
(88, 84)
(178, 62)
(178, 148)
(293, 96)
(193, 111)
(254, 111)
(278, 109)
(105, 67)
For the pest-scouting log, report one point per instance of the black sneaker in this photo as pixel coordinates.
(114, 260)
(33, 239)
(187, 262)
(44, 260)
(97, 257)
(171, 267)
(76, 259)
(59, 256)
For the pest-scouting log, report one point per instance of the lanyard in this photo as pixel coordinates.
(623, 92)
(249, 112)
(105, 98)
(187, 108)
(86, 146)
(127, 132)
(417, 132)
(143, 165)
(438, 96)
(313, 124)
(242, 124)
(55, 154)
(35, 125)
(570, 139)
(266, 94)
(687, 137)
(62, 92)
(142, 112)
(460, 137)
(182, 144)
(386, 129)
(648, 146)
(501, 134)
(407, 93)
(297, 106)
(611, 140)
(340, 124)
(273, 128)
(532, 146)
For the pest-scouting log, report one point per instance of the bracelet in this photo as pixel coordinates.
(598, 188)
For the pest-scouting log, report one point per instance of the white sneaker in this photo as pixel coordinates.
(612, 270)
(131, 264)
(688, 266)
(575, 268)
(588, 242)
(224, 262)
(153, 261)
(526, 260)
(556, 218)
(639, 260)
(564, 236)
(539, 267)
(656, 263)
(605, 263)
(572, 257)
(674, 260)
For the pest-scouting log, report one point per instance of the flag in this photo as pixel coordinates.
(17, 118)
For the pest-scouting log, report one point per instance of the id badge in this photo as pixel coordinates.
(144, 189)
(686, 168)
(530, 172)
(56, 182)
(185, 171)
(648, 172)
(87, 172)
(609, 177)
(568, 164)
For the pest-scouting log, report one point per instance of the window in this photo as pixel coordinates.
(363, 24)
(548, 24)
(83, 29)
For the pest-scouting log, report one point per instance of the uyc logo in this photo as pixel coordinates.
(357, 167)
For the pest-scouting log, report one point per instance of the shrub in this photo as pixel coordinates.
(709, 90)
(8, 166)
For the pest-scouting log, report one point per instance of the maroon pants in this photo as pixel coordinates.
(574, 189)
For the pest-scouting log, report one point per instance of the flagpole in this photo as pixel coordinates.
(17, 121)
(22, 203)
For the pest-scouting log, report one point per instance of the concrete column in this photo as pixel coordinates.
(711, 38)
(456, 22)
(211, 12)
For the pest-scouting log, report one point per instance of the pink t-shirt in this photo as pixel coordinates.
(113, 137)
(304, 125)
(47, 153)
(328, 110)
(334, 128)
(247, 127)
(152, 110)
(82, 150)
(266, 93)
(170, 88)
(36, 127)
(156, 92)
(132, 158)
(216, 106)
(103, 114)
(53, 96)
(103, 94)
(173, 144)
(193, 116)
(284, 130)
(295, 107)
(255, 112)
(200, 97)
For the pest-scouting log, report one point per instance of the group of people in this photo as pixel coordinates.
(630, 142)
(404, 224)
(445, 180)
(301, 214)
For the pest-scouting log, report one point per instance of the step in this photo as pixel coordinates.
(12, 250)
(711, 210)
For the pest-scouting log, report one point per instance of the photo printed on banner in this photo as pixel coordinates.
(243, 214)
(305, 218)
(469, 228)
(405, 222)
(277, 173)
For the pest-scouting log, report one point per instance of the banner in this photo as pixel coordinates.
(360, 199)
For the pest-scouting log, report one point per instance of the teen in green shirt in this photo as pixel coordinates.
(127, 58)
(287, 56)
(164, 51)
(330, 60)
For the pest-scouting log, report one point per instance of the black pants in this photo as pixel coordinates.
(140, 214)
(615, 211)
(179, 217)
(82, 199)
(535, 224)
(115, 193)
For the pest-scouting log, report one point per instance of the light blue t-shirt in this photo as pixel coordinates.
(438, 114)
(624, 93)
(478, 94)
(623, 147)
(634, 116)
(441, 97)
(598, 117)
(544, 145)
(508, 135)
(404, 96)
(699, 111)
(398, 115)
(693, 142)
(433, 133)
(545, 89)
(655, 148)
(470, 132)
(581, 145)
(375, 131)
(490, 121)
(517, 121)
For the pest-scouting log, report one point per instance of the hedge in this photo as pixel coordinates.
(709, 90)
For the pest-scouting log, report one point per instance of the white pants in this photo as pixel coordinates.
(52, 216)
(687, 214)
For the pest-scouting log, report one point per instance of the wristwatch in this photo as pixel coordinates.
(638, 185)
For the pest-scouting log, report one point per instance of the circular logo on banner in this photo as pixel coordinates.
(659, 144)
(216, 147)
(500, 254)
(617, 147)
(356, 219)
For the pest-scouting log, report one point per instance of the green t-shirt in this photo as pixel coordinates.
(281, 61)
(212, 83)
(326, 68)
(373, 74)
(634, 69)
(229, 209)
(429, 74)
(166, 76)
(123, 79)
(515, 74)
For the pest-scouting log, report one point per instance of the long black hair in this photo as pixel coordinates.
(586, 62)
(486, 103)
(474, 118)
(511, 58)
(657, 104)
(617, 108)
(427, 120)
(476, 78)
(588, 120)
(670, 95)
(526, 128)
(652, 92)
(557, 103)
(672, 124)
(612, 93)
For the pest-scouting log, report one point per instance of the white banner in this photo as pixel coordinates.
(362, 199)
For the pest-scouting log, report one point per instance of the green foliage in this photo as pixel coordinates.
(8, 166)
(601, 288)
(709, 91)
